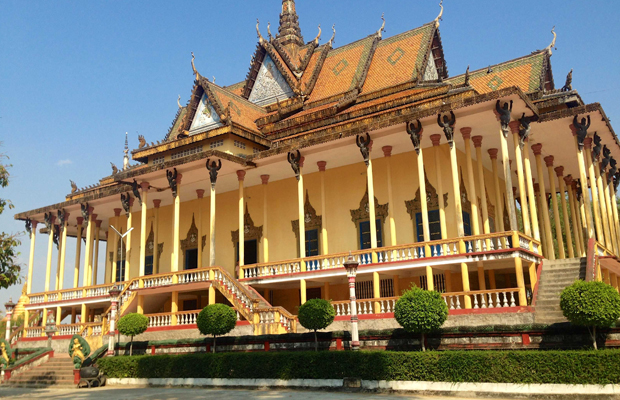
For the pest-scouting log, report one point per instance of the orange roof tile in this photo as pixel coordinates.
(242, 111)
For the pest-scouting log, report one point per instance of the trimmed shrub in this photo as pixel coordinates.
(591, 304)
(524, 367)
(421, 311)
(132, 325)
(216, 319)
(316, 314)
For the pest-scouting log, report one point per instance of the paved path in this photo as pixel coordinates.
(182, 394)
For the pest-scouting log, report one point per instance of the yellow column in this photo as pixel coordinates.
(115, 248)
(88, 251)
(176, 233)
(128, 242)
(324, 242)
(587, 207)
(600, 236)
(140, 308)
(499, 204)
(448, 277)
(610, 215)
(240, 177)
(326, 295)
(265, 182)
(371, 205)
(568, 180)
(514, 126)
(543, 236)
(530, 190)
(58, 316)
(302, 290)
(376, 290)
(156, 204)
(569, 240)
(58, 227)
(96, 255)
(50, 248)
(473, 196)
(436, 139)
(465, 279)
(533, 275)
(212, 216)
(512, 213)
(63, 251)
(481, 281)
(200, 193)
(614, 281)
(483, 196)
(422, 182)
(537, 149)
(174, 307)
(614, 208)
(78, 248)
(396, 282)
(603, 204)
(430, 283)
(387, 153)
(143, 228)
(554, 204)
(33, 237)
(492, 284)
(456, 190)
(520, 281)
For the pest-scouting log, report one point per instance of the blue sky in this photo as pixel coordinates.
(76, 75)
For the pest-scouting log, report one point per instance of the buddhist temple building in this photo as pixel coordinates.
(465, 184)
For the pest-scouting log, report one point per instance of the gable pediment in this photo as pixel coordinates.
(206, 117)
(270, 85)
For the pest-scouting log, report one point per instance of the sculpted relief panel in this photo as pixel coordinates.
(270, 85)
(205, 117)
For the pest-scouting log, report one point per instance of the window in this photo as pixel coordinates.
(466, 223)
(312, 243)
(158, 160)
(191, 259)
(365, 235)
(120, 271)
(439, 283)
(250, 252)
(239, 144)
(216, 143)
(186, 152)
(148, 265)
(256, 151)
(433, 225)
(365, 289)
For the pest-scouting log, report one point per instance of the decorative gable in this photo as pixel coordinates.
(430, 73)
(270, 85)
(206, 117)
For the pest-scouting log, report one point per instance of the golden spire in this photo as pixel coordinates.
(552, 44)
(440, 15)
(382, 29)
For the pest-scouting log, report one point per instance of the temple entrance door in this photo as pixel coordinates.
(250, 252)
(191, 259)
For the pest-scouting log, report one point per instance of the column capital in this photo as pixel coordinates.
(200, 193)
(264, 179)
(387, 151)
(536, 187)
(179, 177)
(549, 161)
(493, 153)
(156, 203)
(568, 180)
(436, 139)
(587, 143)
(93, 217)
(477, 141)
(117, 212)
(514, 126)
(98, 223)
(559, 171)
(131, 200)
(80, 220)
(241, 175)
(35, 223)
(301, 161)
(369, 146)
(466, 132)
(145, 186)
(537, 149)
(322, 165)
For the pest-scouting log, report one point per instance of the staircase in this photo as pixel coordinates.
(57, 372)
(556, 275)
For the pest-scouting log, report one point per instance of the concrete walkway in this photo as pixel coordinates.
(182, 394)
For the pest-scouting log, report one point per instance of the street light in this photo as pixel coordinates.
(351, 266)
(114, 293)
(10, 306)
(122, 236)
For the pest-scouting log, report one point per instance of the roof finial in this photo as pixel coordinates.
(552, 45)
(126, 151)
(193, 67)
(467, 76)
(331, 41)
(440, 15)
(316, 39)
(382, 29)
(269, 31)
(179, 102)
(260, 37)
(568, 86)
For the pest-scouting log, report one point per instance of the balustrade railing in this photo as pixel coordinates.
(34, 331)
(493, 298)
(187, 317)
(381, 305)
(157, 320)
(69, 329)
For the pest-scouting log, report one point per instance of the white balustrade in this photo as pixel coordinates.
(34, 332)
(71, 295)
(365, 306)
(66, 330)
(37, 299)
(187, 318)
(193, 276)
(502, 298)
(52, 297)
(157, 281)
(157, 320)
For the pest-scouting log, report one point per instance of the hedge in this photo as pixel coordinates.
(568, 367)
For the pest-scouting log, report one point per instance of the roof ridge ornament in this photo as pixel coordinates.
(318, 37)
(331, 41)
(552, 44)
(439, 17)
(196, 74)
(382, 29)
(179, 102)
(261, 39)
(269, 31)
(467, 76)
(568, 86)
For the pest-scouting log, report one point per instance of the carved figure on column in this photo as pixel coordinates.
(606, 158)
(616, 181)
(581, 129)
(56, 237)
(415, 133)
(612, 171)
(136, 192)
(294, 160)
(28, 223)
(172, 181)
(364, 145)
(447, 124)
(62, 216)
(85, 213)
(503, 112)
(524, 130)
(596, 150)
(578, 189)
(48, 222)
(213, 168)
(125, 202)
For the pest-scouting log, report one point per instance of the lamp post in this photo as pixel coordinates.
(50, 330)
(10, 306)
(114, 292)
(122, 236)
(351, 266)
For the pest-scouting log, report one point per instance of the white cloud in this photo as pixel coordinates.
(64, 162)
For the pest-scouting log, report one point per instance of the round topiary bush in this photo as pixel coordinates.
(316, 314)
(216, 319)
(591, 304)
(131, 325)
(421, 311)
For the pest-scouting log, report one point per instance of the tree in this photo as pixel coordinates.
(216, 319)
(316, 314)
(131, 325)
(591, 304)
(9, 269)
(421, 311)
